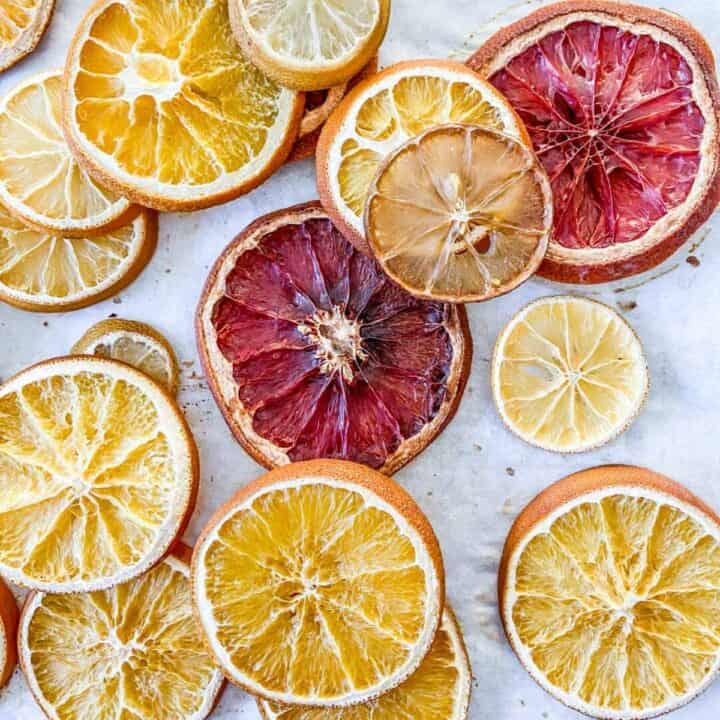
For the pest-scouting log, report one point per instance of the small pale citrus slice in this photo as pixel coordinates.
(132, 651)
(51, 273)
(460, 213)
(568, 374)
(310, 44)
(162, 106)
(438, 690)
(610, 592)
(321, 583)
(40, 181)
(385, 111)
(22, 25)
(99, 473)
(9, 616)
(136, 344)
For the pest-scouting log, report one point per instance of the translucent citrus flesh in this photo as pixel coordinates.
(37, 169)
(130, 652)
(315, 594)
(15, 17)
(571, 374)
(618, 602)
(459, 212)
(164, 91)
(89, 477)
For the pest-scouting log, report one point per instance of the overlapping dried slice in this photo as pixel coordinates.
(133, 651)
(321, 583)
(8, 633)
(312, 352)
(40, 181)
(568, 374)
(22, 25)
(610, 590)
(162, 106)
(99, 474)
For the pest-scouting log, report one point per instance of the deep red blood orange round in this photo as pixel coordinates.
(312, 352)
(623, 108)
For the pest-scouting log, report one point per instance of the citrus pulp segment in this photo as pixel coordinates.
(609, 593)
(321, 583)
(311, 351)
(100, 474)
(161, 105)
(132, 651)
(438, 690)
(136, 344)
(40, 180)
(22, 25)
(623, 107)
(568, 374)
(50, 273)
(9, 617)
(385, 111)
(459, 213)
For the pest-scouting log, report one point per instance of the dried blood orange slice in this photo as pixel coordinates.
(623, 106)
(312, 352)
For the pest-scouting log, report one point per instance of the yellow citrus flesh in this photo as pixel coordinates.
(98, 474)
(40, 181)
(614, 603)
(133, 651)
(459, 213)
(568, 374)
(22, 23)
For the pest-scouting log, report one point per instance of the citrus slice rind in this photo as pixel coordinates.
(609, 587)
(631, 148)
(40, 181)
(9, 617)
(385, 111)
(459, 213)
(321, 584)
(438, 690)
(100, 473)
(133, 649)
(22, 28)
(49, 273)
(568, 374)
(163, 107)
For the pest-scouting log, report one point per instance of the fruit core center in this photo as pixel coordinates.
(466, 232)
(79, 486)
(151, 74)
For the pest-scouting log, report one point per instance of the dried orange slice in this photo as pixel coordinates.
(40, 181)
(133, 651)
(460, 213)
(99, 470)
(22, 25)
(321, 583)
(623, 106)
(8, 633)
(161, 105)
(610, 592)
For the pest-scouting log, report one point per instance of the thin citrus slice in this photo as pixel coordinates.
(310, 44)
(438, 690)
(312, 352)
(161, 105)
(460, 213)
(8, 633)
(51, 273)
(610, 592)
(568, 374)
(99, 471)
(133, 651)
(321, 583)
(385, 111)
(623, 107)
(136, 344)
(22, 25)
(40, 181)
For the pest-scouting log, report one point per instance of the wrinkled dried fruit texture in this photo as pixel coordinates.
(329, 357)
(619, 603)
(133, 651)
(16, 16)
(315, 592)
(613, 120)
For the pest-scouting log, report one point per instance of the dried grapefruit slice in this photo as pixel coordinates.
(133, 651)
(8, 633)
(610, 592)
(321, 583)
(22, 25)
(623, 107)
(311, 352)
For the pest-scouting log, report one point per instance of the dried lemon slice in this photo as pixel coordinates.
(22, 25)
